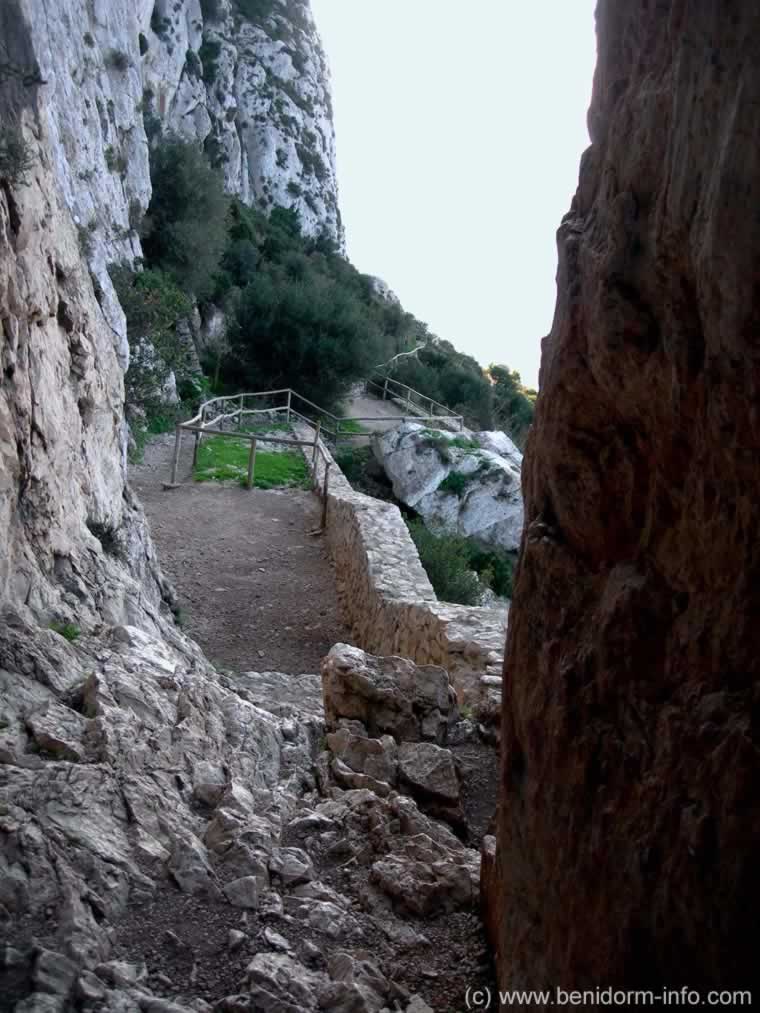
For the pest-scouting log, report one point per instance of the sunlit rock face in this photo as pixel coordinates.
(627, 840)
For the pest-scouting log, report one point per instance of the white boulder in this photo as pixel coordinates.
(460, 483)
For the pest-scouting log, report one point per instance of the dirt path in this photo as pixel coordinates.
(256, 589)
(386, 414)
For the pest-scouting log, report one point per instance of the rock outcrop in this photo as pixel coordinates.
(628, 836)
(461, 483)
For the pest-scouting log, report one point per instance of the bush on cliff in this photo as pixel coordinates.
(185, 228)
(152, 304)
(302, 316)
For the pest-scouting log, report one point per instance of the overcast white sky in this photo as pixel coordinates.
(460, 127)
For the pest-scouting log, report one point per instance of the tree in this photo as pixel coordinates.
(513, 404)
(186, 223)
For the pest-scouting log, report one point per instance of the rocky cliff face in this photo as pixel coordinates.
(627, 840)
(247, 78)
(251, 82)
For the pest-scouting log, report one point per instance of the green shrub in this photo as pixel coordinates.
(185, 226)
(454, 483)
(255, 10)
(193, 64)
(353, 461)
(210, 9)
(153, 305)
(495, 569)
(115, 160)
(16, 159)
(513, 404)
(209, 56)
(117, 59)
(68, 631)
(446, 559)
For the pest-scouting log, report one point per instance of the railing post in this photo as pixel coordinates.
(252, 463)
(240, 413)
(316, 444)
(177, 445)
(195, 449)
(290, 393)
(324, 494)
(385, 389)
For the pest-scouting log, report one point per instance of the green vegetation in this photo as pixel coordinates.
(153, 304)
(209, 56)
(302, 316)
(353, 462)
(193, 66)
(352, 427)
(163, 420)
(185, 226)
(454, 483)
(16, 159)
(255, 10)
(446, 559)
(441, 372)
(222, 459)
(210, 9)
(459, 569)
(298, 314)
(68, 631)
(494, 398)
(513, 404)
(117, 59)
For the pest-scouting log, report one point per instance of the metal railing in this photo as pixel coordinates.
(210, 421)
(232, 409)
(413, 401)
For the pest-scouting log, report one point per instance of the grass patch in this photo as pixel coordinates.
(444, 444)
(68, 631)
(352, 427)
(454, 483)
(226, 460)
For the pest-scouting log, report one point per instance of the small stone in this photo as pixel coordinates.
(235, 939)
(276, 941)
(243, 892)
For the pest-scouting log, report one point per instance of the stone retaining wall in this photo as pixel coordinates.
(389, 602)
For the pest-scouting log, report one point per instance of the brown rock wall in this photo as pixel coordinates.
(629, 824)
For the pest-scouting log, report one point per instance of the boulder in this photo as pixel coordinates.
(459, 483)
(389, 696)
(430, 775)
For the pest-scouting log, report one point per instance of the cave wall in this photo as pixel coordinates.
(628, 826)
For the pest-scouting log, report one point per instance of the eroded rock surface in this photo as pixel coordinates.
(628, 835)
(462, 483)
(173, 839)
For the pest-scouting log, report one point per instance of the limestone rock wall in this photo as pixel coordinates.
(389, 602)
(74, 543)
(628, 832)
(253, 88)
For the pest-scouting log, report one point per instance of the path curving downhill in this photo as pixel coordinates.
(255, 586)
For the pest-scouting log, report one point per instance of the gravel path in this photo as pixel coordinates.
(256, 587)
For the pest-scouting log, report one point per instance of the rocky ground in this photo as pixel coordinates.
(175, 840)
